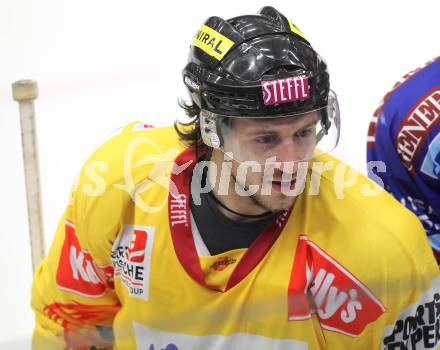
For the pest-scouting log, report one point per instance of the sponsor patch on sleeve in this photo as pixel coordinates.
(131, 257)
(319, 284)
(77, 272)
(212, 42)
(418, 326)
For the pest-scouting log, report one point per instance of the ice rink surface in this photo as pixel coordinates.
(101, 64)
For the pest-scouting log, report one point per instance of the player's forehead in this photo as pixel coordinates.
(250, 125)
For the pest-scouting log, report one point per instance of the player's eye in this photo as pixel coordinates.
(305, 133)
(267, 139)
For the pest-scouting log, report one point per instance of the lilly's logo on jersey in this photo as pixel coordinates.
(342, 303)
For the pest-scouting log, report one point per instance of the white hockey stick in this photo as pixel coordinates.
(25, 92)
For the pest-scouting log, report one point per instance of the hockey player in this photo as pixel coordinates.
(405, 135)
(230, 232)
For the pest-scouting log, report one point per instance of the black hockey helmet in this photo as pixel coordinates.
(259, 66)
(230, 60)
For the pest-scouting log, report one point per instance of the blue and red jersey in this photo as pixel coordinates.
(404, 134)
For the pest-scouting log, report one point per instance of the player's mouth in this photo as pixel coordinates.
(279, 186)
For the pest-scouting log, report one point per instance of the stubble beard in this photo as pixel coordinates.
(266, 202)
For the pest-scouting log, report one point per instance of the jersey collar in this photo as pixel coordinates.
(181, 233)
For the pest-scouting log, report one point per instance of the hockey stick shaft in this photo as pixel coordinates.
(25, 92)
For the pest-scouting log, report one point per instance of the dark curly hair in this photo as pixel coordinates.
(189, 132)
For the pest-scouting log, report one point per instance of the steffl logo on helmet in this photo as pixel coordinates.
(285, 90)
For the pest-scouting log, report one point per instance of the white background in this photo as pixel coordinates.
(103, 63)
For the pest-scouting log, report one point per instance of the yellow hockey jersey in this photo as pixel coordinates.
(346, 268)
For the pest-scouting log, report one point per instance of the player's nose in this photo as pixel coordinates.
(288, 157)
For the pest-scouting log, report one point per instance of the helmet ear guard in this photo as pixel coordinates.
(209, 130)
